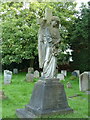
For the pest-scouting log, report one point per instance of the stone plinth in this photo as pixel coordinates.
(48, 98)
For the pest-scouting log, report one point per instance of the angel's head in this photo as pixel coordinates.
(55, 21)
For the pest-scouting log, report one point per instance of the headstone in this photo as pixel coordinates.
(29, 77)
(15, 71)
(60, 76)
(30, 70)
(2, 95)
(84, 81)
(36, 74)
(64, 72)
(41, 74)
(7, 76)
(69, 85)
(48, 97)
(76, 73)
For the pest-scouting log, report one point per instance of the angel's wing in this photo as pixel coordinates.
(41, 47)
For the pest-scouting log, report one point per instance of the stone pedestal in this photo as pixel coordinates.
(48, 98)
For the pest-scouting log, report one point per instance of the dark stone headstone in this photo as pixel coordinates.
(75, 74)
(48, 98)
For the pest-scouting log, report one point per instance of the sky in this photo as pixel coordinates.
(80, 1)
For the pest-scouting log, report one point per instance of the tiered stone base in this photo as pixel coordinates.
(48, 98)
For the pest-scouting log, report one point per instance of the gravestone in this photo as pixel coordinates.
(15, 71)
(48, 97)
(64, 72)
(30, 70)
(30, 75)
(36, 74)
(2, 95)
(60, 76)
(41, 74)
(7, 76)
(84, 81)
(76, 73)
(69, 85)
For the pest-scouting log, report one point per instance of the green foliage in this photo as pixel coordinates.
(79, 40)
(19, 34)
(20, 91)
(20, 29)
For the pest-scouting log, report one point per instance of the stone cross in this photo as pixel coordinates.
(48, 16)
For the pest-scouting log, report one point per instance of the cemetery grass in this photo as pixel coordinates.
(19, 93)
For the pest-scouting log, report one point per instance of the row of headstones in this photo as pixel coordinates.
(32, 74)
(63, 74)
(8, 75)
(84, 78)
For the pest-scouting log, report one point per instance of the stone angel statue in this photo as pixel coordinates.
(48, 41)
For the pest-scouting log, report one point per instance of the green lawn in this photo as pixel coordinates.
(19, 93)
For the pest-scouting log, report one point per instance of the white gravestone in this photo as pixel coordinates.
(41, 74)
(84, 81)
(60, 76)
(15, 71)
(36, 74)
(7, 76)
(64, 72)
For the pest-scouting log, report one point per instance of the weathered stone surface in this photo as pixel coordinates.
(60, 76)
(64, 72)
(30, 74)
(36, 74)
(41, 74)
(84, 81)
(7, 76)
(29, 77)
(2, 95)
(48, 40)
(69, 85)
(48, 98)
(76, 73)
(30, 70)
(15, 71)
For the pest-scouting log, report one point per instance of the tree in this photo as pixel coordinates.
(79, 40)
(20, 29)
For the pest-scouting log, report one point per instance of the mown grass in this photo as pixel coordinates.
(20, 91)
(0, 100)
